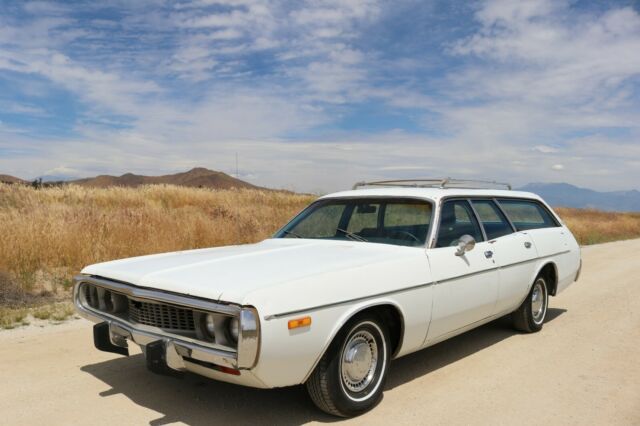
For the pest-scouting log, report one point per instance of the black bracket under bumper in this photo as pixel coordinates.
(156, 355)
(102, 340)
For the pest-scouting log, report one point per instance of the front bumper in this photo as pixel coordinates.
(120, 333)
(170, 352)
(176, 356)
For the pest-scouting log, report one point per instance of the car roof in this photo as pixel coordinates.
(433, 194)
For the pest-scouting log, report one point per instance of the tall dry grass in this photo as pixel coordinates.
(48, 235)
(594, 226)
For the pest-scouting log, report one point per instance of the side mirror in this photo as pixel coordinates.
(465, 244)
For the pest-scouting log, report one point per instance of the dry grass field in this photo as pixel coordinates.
(594, 226)
(48, 235)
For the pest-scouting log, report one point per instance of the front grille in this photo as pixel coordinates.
(163, 316)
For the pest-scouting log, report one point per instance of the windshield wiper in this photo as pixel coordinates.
(352, 235)
(292, 233)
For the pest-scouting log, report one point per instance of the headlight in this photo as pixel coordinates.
(102, 299)
(210, 326)
(219, 328)
(234, 328)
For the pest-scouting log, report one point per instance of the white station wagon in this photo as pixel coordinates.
(356, 279)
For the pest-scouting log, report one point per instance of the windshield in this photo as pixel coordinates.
(403, 222)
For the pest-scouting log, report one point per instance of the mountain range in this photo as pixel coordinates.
(556, 194)
(566, 195)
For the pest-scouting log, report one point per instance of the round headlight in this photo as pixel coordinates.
(234, 329)
(210, 325)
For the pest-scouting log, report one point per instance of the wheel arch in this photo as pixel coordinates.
(389, 311)
(550, 271)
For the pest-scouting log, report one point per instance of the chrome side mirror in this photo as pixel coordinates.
(465, 244)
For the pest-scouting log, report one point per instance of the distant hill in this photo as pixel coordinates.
(565, 195)
(198, 177)
(11, 179)
(556, 194)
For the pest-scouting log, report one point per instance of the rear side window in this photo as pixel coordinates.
(456, 220)
(494, 223)
(525, 214)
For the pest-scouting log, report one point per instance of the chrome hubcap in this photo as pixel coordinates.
(359, 361)
(538, 302)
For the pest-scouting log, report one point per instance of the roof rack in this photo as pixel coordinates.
(437, 183)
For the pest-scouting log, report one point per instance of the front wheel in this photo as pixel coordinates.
(349, 378)
(529, 317)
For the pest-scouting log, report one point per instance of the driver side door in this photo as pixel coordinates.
(466, 286)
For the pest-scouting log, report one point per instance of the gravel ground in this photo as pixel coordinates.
(583, 368)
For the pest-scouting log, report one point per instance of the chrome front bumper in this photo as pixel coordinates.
(176, 350)
(181, 351)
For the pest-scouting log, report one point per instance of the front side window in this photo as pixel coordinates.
(526, 214)
(403, 222)
(494, 223)
(457, 219)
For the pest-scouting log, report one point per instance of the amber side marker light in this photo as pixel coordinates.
(228, 370)
(299, 322)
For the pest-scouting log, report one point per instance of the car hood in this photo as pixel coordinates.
(230, 273)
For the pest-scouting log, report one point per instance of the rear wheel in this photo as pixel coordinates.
(529, 317)
(349, 378)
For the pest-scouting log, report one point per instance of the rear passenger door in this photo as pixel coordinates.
(513, 252)
(550, 238)
(467, 285)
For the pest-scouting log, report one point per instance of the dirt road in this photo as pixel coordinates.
(583, 368)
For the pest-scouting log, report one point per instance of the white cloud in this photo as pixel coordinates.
(524, 89)
(63, 172)
(545, 149)
(552, 54)
(23, 109)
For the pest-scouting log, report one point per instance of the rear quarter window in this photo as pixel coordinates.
(527, 214)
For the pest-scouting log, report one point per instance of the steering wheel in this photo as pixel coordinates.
(409, 234)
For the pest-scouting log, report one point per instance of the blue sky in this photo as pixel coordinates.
(313, 95)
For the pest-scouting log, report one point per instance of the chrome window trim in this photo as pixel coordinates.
(497, 205)
(473, 212)
(552, 214)
(429, 201)
(496, 200)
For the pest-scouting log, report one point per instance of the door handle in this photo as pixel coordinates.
(488, 254)
(527, 244)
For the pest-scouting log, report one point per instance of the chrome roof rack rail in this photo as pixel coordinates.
(437, 183)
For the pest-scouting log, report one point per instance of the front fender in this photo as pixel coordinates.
(288, 357)
(351, 313)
